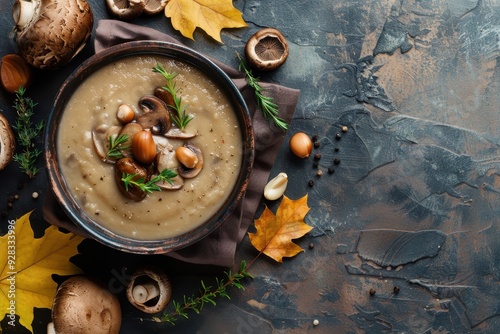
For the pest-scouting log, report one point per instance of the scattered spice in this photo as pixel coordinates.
(315, 164)
(331, 170)
(337, 149)
(338, 136)
(372, 291)
(35, 195)
(311, 245)
(319, 172)
(344, 128)
(315, 138)
(317, 156)
(316, 144)
(311, 183)
(315, 322)
(396, 289)
(336, 161)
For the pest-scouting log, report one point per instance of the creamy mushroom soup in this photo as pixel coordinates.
(161, 214)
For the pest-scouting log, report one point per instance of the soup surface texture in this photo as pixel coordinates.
(164, 214)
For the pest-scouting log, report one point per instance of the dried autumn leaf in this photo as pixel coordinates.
(209, 15)
(275, 232)
(35, 260)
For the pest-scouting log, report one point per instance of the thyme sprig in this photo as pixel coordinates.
(148, 186)
(181, 119)
(266, 104)
(116, 146)
(27, 132)
(207, 295)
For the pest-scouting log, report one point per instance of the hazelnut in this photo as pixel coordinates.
(125, 113)
(301, 145)
(144, 147)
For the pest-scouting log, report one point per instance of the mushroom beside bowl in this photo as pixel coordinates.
(86, 183)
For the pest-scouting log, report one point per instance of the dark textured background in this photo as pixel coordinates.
(413, 204)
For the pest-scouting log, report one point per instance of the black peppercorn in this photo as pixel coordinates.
(396, 289)
(338, 136)
(315, 138)
(315, 164)
(372, 291)
(330, 170)
(337, 149)
(311, 183)
(336, 161)
(311, 245)
(317, 156)
(316, 144)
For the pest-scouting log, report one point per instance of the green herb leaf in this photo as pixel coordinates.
(149, 186)
(266, 104)
(116, 146)
(181, 119)
(26, 132)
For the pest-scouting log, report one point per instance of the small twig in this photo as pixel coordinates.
(208, 294)
(116, 146)
(266, 104)
(27, 132)
(151, 185)
(181, 119)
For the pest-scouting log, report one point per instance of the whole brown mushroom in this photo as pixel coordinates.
(49, 33)
(7, 142)
(83, 306)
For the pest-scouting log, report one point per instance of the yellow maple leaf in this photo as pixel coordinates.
(275, 232)
(209, 15)
(25, 273)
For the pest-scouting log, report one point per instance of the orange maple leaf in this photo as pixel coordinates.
(209, 15)
(275, 232)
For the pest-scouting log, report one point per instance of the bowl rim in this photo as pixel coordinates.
(58, 184)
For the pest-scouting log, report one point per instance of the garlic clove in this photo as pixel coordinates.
(276, 187)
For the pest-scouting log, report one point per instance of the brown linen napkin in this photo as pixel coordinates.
(219, 247)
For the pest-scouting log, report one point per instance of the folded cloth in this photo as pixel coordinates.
(218, 248)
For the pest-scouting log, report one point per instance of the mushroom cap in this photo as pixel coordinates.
(49, 33)
(126, 9)
(267, 49)
(129, 166)
(155, 115)
(189, 173)
(154, 7)
(7, 142)
(159, 279)
(83, 306)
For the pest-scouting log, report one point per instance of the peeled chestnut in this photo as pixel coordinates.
(301, 145)
(144, 146)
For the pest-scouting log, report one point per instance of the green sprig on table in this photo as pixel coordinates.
(208, 295)
(266, 104)
(26, 133)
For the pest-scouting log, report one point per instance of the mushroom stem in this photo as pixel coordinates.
(145, 292)
(50, 328)
(22, 12)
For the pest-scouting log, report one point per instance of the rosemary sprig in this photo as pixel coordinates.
(116, 146)
(181, 119)
(26, 133)
(149, 186)
(266, 104)
(208, 294)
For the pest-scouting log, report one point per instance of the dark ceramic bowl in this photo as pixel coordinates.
(58, 183)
